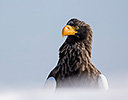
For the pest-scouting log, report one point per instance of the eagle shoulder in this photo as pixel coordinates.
(50, 84)
(102, 82)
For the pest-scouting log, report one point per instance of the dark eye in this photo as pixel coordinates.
(77, 27)
(71, 23)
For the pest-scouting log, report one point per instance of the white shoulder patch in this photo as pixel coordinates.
(102, 81)
(50, 84)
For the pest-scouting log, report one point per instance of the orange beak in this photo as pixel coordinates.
(68, 30)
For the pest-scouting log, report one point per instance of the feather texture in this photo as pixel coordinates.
(74, 68)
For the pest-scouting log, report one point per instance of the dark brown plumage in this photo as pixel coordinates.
(74, 68)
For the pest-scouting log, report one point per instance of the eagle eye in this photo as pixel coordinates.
(77, 27)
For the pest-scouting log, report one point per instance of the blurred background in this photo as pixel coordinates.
(30, 37)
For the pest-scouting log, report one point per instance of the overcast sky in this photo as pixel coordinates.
(30, 37)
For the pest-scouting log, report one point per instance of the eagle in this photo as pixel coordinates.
(74, 68)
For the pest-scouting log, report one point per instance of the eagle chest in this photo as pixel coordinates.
(73, 66)
(74, 57)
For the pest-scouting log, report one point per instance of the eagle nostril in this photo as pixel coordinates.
(68, 27)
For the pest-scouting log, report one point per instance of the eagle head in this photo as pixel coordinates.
(77, 30)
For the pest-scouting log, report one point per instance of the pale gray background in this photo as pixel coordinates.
(30, 37)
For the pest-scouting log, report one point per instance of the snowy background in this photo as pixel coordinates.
(30, 37)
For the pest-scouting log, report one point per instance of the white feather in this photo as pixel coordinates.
(50, 84)
(102, 81)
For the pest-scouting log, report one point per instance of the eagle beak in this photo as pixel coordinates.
(68, 30)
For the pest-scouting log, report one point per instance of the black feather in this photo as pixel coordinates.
(74, 68)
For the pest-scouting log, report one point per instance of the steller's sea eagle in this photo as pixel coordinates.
(74, 68)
